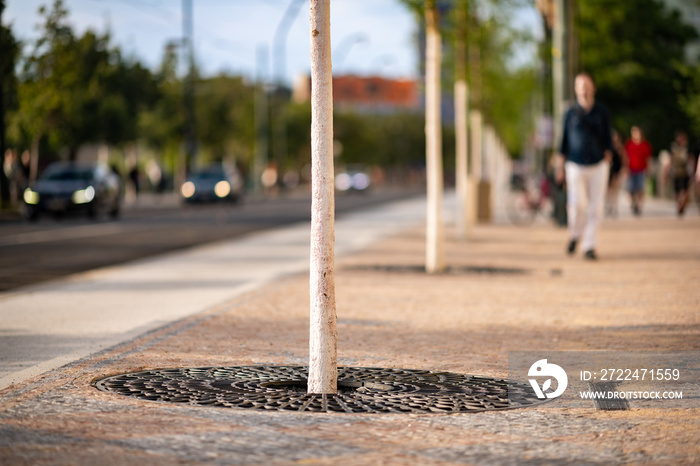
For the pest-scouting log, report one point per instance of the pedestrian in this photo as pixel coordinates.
(681, 169)
(618, 163)
(586, 147)
(638, 154)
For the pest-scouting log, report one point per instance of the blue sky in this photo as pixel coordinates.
(367, 36)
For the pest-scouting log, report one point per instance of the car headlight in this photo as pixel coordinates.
(31, 197)
(222, 189)
(83, 196)
(360, 181)
(187, 189)
(343, 182)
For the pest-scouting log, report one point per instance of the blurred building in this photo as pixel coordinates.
(366, 94)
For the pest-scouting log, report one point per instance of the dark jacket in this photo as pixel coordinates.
(585, 142)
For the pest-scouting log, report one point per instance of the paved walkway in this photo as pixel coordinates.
(508, 289)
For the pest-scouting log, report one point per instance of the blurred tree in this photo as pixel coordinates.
(75, 90)
(298, 138)
(224, 106)
(393, 141)
(690, 100)
(162, 125)
(224, 112)
(500, 86)
(635, 52)
(501, 89)
(8, 94)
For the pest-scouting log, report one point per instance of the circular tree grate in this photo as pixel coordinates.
(360, 390)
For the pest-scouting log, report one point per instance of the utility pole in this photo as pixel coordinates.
(563, 61)
(261, 119)
(188, 94)
(279, 120)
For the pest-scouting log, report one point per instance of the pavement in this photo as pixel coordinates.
(508, 289)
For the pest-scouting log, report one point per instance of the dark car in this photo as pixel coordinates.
(213, 183)
(354, 177)
(66, 187)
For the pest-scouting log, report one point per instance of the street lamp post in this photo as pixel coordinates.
(343, 49)
(279, 122)
(188, 95)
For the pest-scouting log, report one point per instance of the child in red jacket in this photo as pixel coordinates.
(638, 153)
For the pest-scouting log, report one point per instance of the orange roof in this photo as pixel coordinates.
(373, 90)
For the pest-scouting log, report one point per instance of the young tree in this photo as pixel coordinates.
(461, 99)
(323, 338)
(435, 254)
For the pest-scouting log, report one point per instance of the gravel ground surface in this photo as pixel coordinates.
(507, 289)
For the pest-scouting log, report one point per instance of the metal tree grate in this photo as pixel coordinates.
(360, 390)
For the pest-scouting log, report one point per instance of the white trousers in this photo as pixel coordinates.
(585, 188)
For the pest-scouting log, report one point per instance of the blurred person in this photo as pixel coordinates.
(586, 147)
(135, 178)
(155, 176)
(681, 169)
(697, 178)
(12, 174)
(664, 173)
(638, 154)
(618, 162)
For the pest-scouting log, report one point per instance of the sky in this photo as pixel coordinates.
(234, 36)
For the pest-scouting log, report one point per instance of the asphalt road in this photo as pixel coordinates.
(34, 252)
(61, 321)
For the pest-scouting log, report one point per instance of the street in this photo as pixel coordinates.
(58, 322)
(35, 252)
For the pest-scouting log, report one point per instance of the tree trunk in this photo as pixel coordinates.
(461, 100)
(323, 335)
(475, 127)
(435, 260)
(462, 156)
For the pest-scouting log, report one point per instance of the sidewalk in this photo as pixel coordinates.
(507, 289)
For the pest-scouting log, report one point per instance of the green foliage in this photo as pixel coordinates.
(396, 140)
(500, 91)
(690, 100)
(224, 108)
(161, 124)
(75, 90)
(635, 52)
(8, 58)
(503, 93)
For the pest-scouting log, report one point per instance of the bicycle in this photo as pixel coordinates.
(527, 198)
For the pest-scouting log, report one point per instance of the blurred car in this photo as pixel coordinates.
(213, 183)
(65, 187)
(353, 178)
